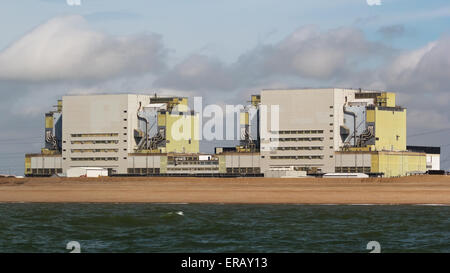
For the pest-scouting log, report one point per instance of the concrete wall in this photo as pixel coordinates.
(242, 160)
(358, 161)
(92, 115)
(304, 109)
(43, 164)
(143, 161)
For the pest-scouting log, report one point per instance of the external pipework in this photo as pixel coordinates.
(146, 126)
(354, 123)
(51, 142)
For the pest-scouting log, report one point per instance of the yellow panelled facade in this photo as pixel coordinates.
(398, 163)
(222, 164)
(48, 121)
(387, 99)
(255, 100)
(27, 165)
(180, 133)
(390, 128)
(244, 118)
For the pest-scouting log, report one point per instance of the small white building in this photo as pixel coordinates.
(87, 172)
(433, 156)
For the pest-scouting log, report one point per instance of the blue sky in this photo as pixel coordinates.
(230, 48)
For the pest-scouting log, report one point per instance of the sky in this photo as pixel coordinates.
(223, 51)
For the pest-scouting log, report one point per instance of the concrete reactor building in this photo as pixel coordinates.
(329, 131)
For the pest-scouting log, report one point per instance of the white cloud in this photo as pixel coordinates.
(373, 2)
(65, 48)
(197, 72)
(311, 53)
(308, 54)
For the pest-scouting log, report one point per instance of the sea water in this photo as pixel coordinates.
(28, 227)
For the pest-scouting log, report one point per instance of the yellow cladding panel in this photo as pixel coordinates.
(390, 130)
(390, 99)
(180, 132)
(367, 148)
(244, 118)
(370, 116)
(49, 121)
(27, 164)
(398, 163)
(222, 164)
(59, 106)
(256, 99)
(161, 119)
(180, 105)
(387, 99)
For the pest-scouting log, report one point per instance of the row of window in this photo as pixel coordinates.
(300, 148)
(203, 162)
(44, 171)
(143, 170)
(299, 132)
(94, 158)
(187, 158)
(298, 139)
(96, 135)
(95, 142)
(297, 157)
(352, 169)
(244, 170)
(194, 169)
(95, 150)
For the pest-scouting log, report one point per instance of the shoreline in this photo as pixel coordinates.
(223, 204)
(413, 190)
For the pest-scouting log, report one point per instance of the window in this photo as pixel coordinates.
(95, 158)
(95, 142)
(96, 135)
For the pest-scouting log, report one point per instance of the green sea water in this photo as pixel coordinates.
(222, 228)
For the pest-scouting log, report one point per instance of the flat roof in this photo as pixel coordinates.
(425, 149)
(124, 94)
(314, 88)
